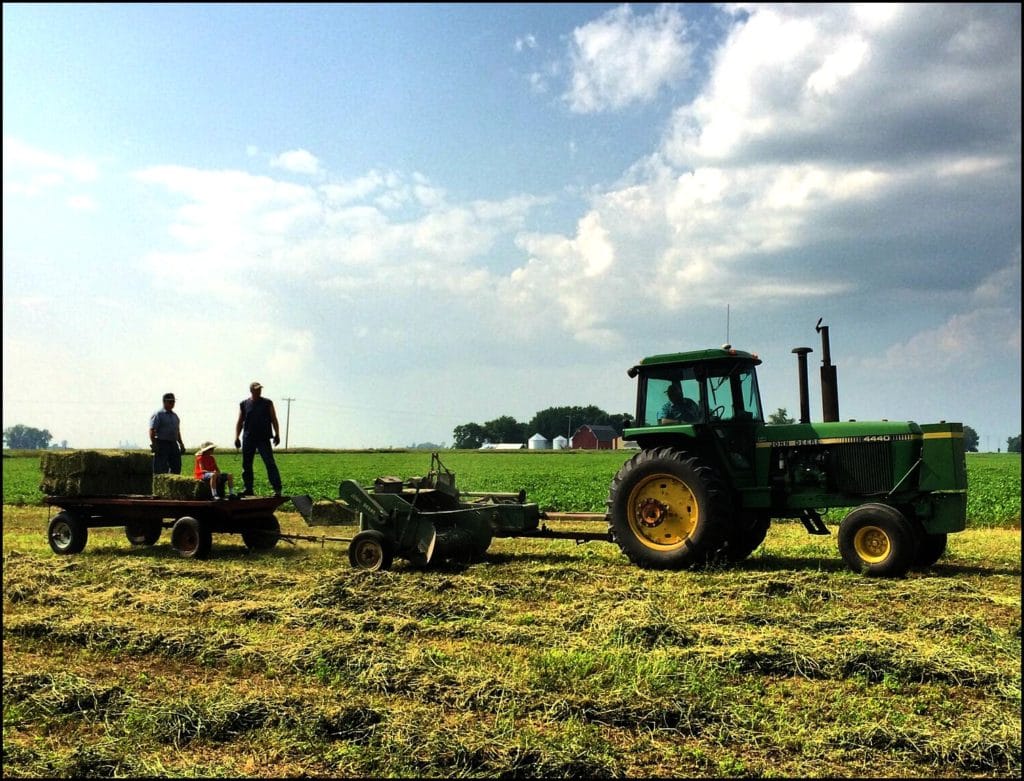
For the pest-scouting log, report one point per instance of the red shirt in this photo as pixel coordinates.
(205, 463)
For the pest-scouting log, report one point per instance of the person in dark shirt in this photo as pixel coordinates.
(256, 425)
(678, 408)
(165, 438)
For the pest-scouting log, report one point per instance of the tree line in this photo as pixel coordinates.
(549, 423)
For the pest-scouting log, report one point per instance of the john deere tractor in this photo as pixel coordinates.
(712, 474)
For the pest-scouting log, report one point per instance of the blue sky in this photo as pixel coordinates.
(409, 217)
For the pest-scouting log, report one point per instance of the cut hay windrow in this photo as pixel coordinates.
(96, 473)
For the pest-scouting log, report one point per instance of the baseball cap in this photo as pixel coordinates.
(168, 397)
(254, 386)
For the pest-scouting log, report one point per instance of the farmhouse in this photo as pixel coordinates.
(589, 437)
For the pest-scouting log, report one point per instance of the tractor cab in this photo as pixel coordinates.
(721, 402)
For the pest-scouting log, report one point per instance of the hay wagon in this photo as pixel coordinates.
(192, 522)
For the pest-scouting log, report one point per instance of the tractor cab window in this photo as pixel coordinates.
(673, 397)
(713, 392)
(732, 393)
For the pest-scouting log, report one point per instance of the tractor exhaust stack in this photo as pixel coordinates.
(829, 383)
(805, 400)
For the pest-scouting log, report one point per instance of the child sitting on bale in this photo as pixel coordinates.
(206, 469)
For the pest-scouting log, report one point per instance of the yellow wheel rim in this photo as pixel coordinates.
(663, 512)
(872, 544)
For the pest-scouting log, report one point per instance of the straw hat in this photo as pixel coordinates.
(207, 445)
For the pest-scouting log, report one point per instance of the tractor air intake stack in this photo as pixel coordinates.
(805, 400)
(829, 384)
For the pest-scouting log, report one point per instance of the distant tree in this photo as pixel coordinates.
(780, 416)
(468, 436)
(970, 440)
(620, 421)
(1013, 444)
(21, 437)
(505, 429)
(555, 421)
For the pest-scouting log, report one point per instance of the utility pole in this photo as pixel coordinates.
(287, 421)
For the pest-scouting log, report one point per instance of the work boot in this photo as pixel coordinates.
(247, 492)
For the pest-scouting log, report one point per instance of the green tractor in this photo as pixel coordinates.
(711, 474)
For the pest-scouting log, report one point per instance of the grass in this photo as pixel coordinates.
(547, 659)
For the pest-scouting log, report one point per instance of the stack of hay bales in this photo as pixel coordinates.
(96, 473)
(180, 487)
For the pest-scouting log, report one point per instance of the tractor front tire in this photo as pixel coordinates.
(877, 540)
(67, 533)
(668, 510)
(370, 550)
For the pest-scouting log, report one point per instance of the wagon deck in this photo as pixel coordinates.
(192, 521)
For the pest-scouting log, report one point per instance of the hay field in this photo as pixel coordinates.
(547, 659)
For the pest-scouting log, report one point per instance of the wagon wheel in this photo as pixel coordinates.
(145, 532)
(191, 537)
(370, 550)
(67, 533)
(264, 533)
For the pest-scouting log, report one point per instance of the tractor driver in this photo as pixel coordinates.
(678, 408)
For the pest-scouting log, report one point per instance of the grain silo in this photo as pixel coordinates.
(539, 442)
(560, 443)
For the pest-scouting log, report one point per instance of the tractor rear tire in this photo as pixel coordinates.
(263, 535)
(668, 510)
(370, 550)
(877, 540)
(67, 533)
(748, 535)
(930, 548)
(143, 532)
(191, 537)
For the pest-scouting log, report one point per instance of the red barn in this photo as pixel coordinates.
(589, 437)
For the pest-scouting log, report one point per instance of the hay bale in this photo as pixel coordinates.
(180, 487)
(328, 513)
(96, 473)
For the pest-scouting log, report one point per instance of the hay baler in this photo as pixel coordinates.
(428, 519)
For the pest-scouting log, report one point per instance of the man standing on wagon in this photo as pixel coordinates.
(165, 438)
(257, 422)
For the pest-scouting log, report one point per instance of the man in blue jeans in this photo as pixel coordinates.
(257, 423)
(165, 438)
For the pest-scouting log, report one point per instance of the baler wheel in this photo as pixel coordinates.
(370, 550)
(878, 540)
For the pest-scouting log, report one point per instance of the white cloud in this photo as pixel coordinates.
(30, 171)
(528, 41)
(297, 161)
(622, 58)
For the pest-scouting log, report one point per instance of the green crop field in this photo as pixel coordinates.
(546, 659)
